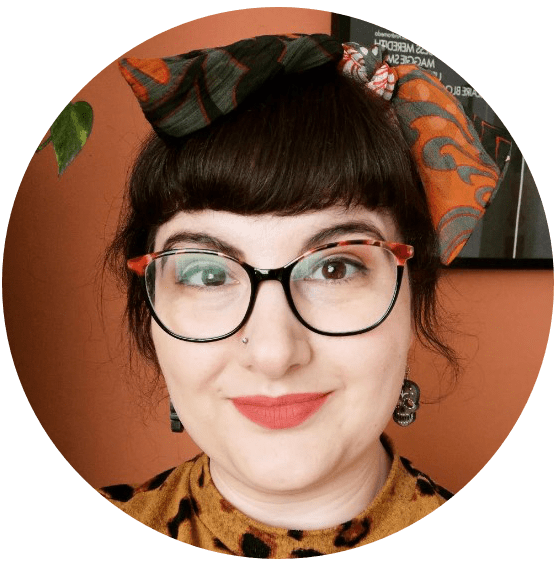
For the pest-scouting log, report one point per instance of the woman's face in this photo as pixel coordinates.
(360, 375)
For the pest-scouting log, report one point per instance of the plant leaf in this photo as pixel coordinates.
(70, 131)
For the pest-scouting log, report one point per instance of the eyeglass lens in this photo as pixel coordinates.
(339, 290)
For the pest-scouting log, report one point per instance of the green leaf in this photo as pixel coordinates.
(70, 131)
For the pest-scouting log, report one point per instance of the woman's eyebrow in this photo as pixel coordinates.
(344, 228)
(211, 242)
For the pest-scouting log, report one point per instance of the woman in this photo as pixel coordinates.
(282, 253)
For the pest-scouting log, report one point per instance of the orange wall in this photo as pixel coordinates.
(73, 367)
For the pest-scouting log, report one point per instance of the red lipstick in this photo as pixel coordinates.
(281, 412)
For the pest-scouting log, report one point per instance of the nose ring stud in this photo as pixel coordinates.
(245, 340)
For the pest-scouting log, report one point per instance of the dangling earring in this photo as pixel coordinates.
(408, 403)
(175, 422)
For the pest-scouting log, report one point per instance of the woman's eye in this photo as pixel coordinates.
(336, 269)
(203, 275)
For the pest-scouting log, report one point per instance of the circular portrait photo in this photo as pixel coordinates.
(277, 283)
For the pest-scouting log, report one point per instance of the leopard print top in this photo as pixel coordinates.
(184, 503)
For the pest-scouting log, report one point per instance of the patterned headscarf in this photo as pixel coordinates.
(185, 93)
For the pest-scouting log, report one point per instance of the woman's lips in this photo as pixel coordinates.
(281, 412)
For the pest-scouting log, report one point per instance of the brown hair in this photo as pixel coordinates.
(303, 142)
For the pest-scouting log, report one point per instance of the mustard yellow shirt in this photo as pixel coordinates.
(184, 503)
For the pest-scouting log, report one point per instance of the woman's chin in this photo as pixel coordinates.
(286, 471)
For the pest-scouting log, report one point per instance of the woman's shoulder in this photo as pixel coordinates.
(407, 495)
(424, 485)
(154, 500)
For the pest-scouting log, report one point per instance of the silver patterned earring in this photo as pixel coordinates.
(175, 422)
(408, 403)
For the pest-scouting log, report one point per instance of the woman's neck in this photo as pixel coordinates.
(344, 495)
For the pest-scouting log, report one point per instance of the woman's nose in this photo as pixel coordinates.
(278, 344)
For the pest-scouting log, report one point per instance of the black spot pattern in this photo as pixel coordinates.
(305, 553)
(444, 493)
(252, 546)
(184, 513)
(409, 467)
(425, 484)
(352, 533)
(202, 478)
(425, 487)
(219, 544)
(159, 479)
(121, 493)
(296, 534)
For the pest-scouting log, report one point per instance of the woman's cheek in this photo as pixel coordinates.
(188, 366)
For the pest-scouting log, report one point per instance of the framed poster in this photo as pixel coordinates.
(514, 231)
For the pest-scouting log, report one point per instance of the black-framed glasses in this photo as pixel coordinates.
(337, 289)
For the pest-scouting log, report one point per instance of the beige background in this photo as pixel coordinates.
(72, 366)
